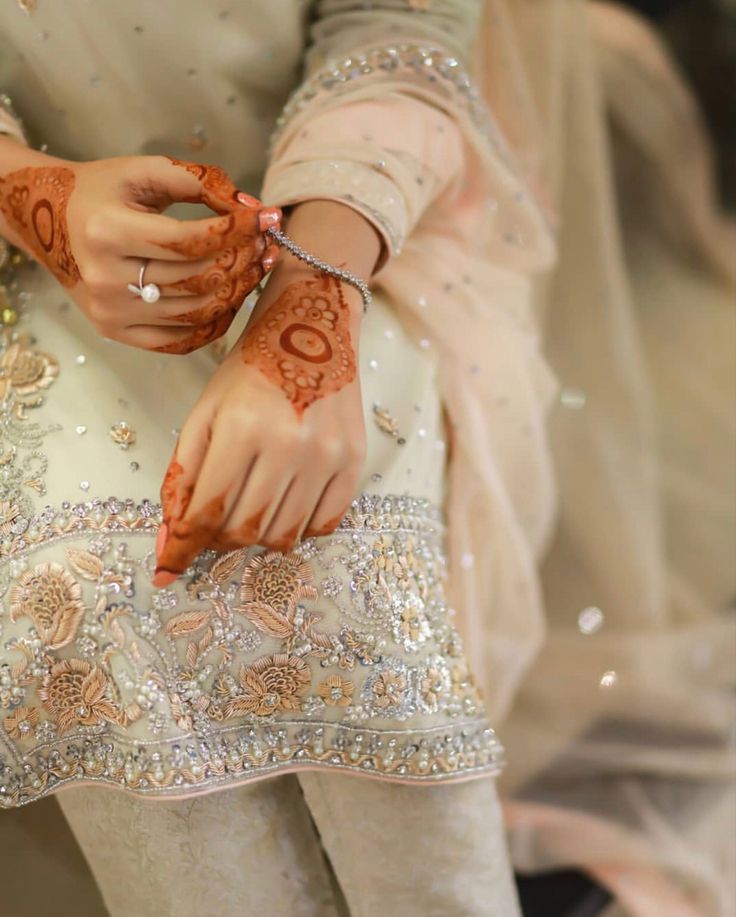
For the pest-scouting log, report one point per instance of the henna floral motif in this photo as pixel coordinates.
(302, 343)
(34, 201)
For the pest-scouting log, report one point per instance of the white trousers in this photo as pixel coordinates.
(262, 850)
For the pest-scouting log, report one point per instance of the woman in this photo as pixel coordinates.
(131, 657)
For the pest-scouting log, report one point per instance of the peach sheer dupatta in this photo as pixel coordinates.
(550, 509)
(620, 737)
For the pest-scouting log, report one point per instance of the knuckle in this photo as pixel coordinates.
(98, 229)
(333, 448)
(96, 278)
(99, 314)
(356, 451)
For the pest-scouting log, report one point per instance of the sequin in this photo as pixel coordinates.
(573, 398)
(122, 434)
(609, 679)
(590, 620)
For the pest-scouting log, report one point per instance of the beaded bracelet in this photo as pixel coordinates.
(313, 261)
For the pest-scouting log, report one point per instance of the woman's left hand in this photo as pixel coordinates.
(274, 448)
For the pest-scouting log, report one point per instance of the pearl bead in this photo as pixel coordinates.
(150, 293)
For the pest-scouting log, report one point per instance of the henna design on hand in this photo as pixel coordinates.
(34, 201)
(302, 342)
(217, 187)
(202, 335)
(187, 537)
(232, 277)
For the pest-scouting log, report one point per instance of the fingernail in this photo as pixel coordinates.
(268, 218)
(163, 578)
(246, 199)
(268, 262)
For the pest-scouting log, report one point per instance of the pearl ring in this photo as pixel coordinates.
(148, 292)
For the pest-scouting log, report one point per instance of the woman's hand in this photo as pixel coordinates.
(274, 448)
(93, 225)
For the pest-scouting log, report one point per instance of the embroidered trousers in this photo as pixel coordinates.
(261, 850)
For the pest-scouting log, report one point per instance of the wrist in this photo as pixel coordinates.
(335, 233)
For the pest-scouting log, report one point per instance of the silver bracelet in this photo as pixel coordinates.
(339, 273)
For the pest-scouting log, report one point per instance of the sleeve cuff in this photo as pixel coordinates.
(355, 184)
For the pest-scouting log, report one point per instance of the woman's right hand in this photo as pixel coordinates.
(95, 224)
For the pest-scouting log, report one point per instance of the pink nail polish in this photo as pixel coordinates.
(268, 262)
(267, 219)
(163, 578)
(246, 199)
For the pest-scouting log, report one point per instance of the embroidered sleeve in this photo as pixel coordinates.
(375, 124)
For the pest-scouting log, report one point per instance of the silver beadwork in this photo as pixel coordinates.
(313, 261)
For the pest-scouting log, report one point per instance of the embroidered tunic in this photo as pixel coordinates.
(341, 654)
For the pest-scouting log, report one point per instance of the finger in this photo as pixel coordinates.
(174, 340)
(196, 182)
(333, 504)
(269, 257)
(226, 464)
(206, 276)
(156, 236)
(186, 311)
(178, 483)
(295, 511)
(258, 502)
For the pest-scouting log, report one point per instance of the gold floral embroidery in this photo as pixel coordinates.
(330, 690)
(272, 683)
(413, 622)
(276, 582)
(21, 722)
(9, 513)
(385, 421)
(432, 685)
(336, 691)
(26, 370)
(74, 691)
(122, 434)
(389, 690)
(52, 598)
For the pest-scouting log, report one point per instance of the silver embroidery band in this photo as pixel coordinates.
(313, 261)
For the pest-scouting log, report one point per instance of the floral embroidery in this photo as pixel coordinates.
(52, 598)
(434, 684)
(335, 691)
(411, 627)
(272, 683)
(277, 581)
(9, 515)
(75, 692)
(237, 669)
(387, 690)
(25, 370)
(21, 722)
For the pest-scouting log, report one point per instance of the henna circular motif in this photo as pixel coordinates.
(306, 343)
(42, 217)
